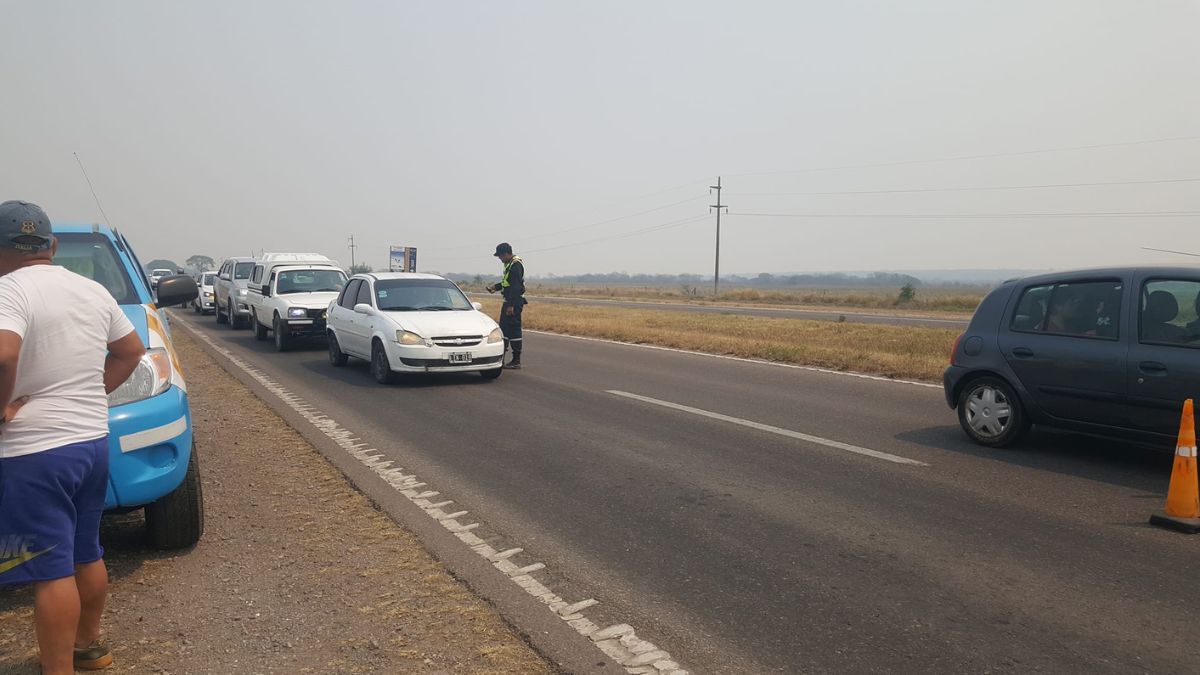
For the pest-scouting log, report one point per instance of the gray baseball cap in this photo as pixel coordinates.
(24, 226)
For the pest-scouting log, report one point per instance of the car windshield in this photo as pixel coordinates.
(419, 295)
(93, 256)
(243, 270)
(208, 279)
(161, 272)
(309, 281)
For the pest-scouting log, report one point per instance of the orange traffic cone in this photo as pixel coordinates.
(1182, 511)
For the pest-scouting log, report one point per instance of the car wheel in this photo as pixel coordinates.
(337, 357)
(177, 519)
(282, 339)
(492, 374)
(381, 370)
(230, 317)
(221, 318)
(990, 413)
(260, 331)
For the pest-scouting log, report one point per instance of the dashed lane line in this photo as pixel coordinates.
(808, 438)
(620, 641)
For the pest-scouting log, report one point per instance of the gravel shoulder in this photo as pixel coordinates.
(297, 572)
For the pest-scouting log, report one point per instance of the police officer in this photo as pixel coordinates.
(512, 287)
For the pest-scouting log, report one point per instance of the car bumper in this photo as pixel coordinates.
(950, 380)
(205, 303)
(421, 359)
(305, 327)
(240, 308)
(150, 443)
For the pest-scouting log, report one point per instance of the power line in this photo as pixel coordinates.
(1081, 214)
(625, 235)
(584, 226)
(971, 189)
(961, 158)
(1167, 250)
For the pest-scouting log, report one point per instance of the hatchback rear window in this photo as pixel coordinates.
(93, 256)
(1083, 309)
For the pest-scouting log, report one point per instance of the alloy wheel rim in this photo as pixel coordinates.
(989, 412)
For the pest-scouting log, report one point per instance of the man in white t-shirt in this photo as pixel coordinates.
(64, 345)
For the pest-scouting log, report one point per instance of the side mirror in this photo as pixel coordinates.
(266, 291)
(364, 308)
(176, 290)
(223, 277)
(478, 306)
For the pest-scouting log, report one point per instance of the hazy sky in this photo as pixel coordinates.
(224, 127)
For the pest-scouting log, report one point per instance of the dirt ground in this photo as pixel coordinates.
(296, 572)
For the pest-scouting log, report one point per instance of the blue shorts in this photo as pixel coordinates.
(50, 506)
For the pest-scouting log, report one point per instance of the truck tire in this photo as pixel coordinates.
(283, 341)
(177, 519)
(221, 318)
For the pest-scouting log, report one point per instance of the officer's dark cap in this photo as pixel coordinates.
(502, 249)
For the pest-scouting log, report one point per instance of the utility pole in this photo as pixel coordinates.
(717, 258)
(352, 247)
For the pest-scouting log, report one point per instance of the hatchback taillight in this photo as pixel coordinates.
(954, 349)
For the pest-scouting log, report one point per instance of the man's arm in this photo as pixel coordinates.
(123, 357)
(10, 352)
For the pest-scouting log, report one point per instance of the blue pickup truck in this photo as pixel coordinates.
(153, 464)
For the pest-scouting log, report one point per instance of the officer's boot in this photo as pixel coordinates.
(515, 363)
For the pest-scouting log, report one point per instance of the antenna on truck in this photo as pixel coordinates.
(92, 188)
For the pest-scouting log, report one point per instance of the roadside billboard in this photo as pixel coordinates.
(402, 259)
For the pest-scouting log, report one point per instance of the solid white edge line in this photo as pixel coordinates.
(761, 362)
(619, 641)
(808, 438)
(149, 437)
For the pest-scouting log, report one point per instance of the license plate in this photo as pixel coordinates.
(460, 357)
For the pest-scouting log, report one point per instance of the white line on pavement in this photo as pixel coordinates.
(761, 362)
(838, 445)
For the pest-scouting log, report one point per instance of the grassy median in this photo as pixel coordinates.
(892, 351)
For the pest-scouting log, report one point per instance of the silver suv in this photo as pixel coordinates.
(230, 292)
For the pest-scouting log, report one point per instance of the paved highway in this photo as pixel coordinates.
(852, 316)
(757, 518)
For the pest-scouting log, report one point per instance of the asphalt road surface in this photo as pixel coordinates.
(757, 518)
(852, 316)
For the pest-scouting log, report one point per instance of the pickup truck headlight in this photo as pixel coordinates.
(151, 377)
(297, 313)
(495, 336)
(405, 337)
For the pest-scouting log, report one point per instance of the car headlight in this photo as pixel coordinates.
(207, 294)
(241, 293)
(151, 377)
(297, 313)
(495, 336)
(405, 337)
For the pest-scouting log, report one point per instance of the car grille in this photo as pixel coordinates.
(317, 313)
(445, 363)
(457, 340)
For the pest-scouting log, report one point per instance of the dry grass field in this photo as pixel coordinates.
(927, 300)
(892, 351)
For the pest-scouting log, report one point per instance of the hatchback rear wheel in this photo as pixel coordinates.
(990, 413)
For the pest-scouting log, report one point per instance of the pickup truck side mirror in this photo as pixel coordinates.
(176, 290)
(364, 308)
(223, 277)
(266, 290)
(478, 306)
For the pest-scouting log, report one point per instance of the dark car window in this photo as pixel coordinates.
(93, 256)
(1170, 312)
(407, 295)
(242, 270)
(1084, 309)
(349, 293)
(364, 294)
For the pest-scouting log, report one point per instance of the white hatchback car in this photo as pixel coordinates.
(412, 323)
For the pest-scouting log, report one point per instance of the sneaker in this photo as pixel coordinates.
(93, 657)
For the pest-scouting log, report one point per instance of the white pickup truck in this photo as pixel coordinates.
(290, 299)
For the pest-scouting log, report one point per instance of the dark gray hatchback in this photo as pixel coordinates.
(1106, 351)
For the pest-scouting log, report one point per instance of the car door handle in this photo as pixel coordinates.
(1022, 352)
(1152, 368)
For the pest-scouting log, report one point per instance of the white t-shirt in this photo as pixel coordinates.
(66, 322)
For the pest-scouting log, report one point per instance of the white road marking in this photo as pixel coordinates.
(761, 362)
(625, 648)
(808, 438)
